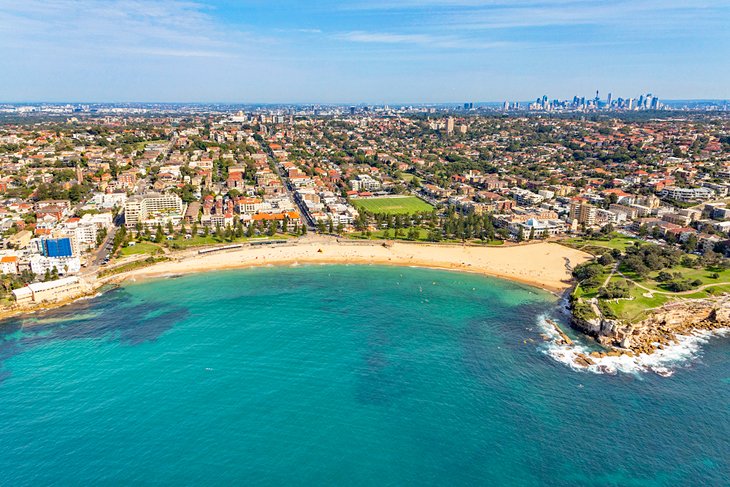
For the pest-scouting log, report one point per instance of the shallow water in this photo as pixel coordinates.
(322, 375)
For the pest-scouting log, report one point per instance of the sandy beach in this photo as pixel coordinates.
(544, 265)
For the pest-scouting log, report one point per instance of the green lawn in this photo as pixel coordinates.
(404, 176)
(686, 272)
(143, 145)
(400, 205)
(422, 237)
(599, 245)
(200, 241)
(635, 309)
(140, 248)
(378, 235)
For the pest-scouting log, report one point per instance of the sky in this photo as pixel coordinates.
(360, 51)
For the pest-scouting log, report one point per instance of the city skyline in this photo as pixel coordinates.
(350, 52)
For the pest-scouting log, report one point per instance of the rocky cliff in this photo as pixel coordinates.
(662, 326)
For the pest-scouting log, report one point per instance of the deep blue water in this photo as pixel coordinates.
(336, 375)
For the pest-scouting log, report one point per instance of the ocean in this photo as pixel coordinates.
(343, 375)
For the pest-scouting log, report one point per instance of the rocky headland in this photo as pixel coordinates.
(661, 328)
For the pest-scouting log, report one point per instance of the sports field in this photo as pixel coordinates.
(400, 205)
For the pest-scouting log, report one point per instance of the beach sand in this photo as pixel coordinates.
(542, 264)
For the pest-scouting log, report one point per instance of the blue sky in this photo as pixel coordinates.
(377, 51)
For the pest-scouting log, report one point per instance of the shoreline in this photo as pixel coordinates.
(150, 273)
(542, 265)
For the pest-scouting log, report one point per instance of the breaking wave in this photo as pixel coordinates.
(662, 362)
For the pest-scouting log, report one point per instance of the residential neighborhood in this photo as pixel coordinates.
(86, 192)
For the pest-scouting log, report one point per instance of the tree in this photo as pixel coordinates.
(521, 235)
(664, 276)
(100, 236)
(586, 271)
(159, 235)
(617, 289)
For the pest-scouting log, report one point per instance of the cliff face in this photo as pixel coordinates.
(662, 326)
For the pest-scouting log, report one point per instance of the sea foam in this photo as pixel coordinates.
(663, 362)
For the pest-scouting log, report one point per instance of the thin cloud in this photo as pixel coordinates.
(182, 53)
(166, 27)
(423, 40)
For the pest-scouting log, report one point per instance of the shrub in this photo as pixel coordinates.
(583, 311)
(664, 276)
(617, 289)
(587, 271)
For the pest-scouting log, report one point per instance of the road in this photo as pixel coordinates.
(93, 262)
(289, 190)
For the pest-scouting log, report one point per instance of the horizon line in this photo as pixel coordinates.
(57, 102)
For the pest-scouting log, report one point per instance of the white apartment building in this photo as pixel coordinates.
(364, 182)
(687, 194)
(109, 200)
(153, 209)
(63, 265)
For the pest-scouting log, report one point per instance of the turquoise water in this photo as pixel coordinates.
(336, 375)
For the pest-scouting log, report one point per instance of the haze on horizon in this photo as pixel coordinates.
(376, 51)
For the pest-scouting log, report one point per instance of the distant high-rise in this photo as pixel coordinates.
(646, 101)
(450, 125)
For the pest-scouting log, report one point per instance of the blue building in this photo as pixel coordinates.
(56, 247)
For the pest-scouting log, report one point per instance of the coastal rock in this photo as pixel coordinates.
(583, 360)
(662, 327)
